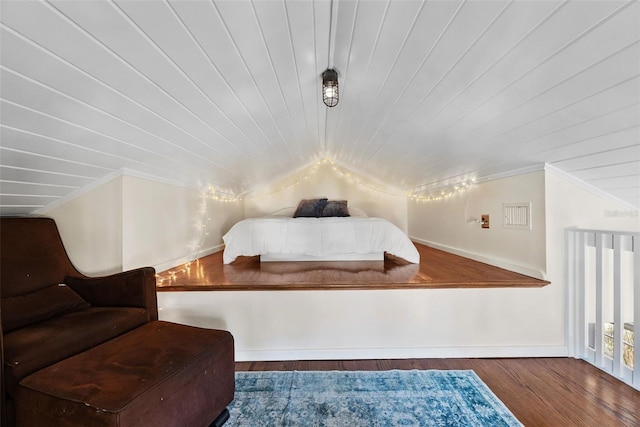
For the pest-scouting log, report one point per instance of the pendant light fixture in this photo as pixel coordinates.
(330, 94)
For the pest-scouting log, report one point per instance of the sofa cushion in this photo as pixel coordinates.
(36, 306)
(160, 374)
(34, 347)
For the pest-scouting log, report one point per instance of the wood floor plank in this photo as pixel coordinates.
(539, 392)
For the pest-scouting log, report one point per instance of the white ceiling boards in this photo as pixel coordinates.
(228, 92)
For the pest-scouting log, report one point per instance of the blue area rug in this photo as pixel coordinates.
(365, 398)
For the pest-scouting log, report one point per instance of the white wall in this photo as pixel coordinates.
(91, 228)
(448, 224)
(570, 204)
(321, 180)
(340, 324)
(131, 222)
(166, 225)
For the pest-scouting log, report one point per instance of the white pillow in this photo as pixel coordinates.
(357, 212)
(284, 212)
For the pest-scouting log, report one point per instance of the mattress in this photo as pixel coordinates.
(317, 237)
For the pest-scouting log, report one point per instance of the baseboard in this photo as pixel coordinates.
(496, 262)
(401, 353)
(166, 265)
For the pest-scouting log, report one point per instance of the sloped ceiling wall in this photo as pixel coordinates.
(228, 92)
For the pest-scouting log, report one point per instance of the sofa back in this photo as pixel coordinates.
(32, 256)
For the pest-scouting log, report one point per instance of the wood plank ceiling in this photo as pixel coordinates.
(228, 92)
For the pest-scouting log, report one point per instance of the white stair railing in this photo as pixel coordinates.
(603, 300)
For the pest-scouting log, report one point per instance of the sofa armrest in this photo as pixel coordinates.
(133, 288)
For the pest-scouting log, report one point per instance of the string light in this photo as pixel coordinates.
(201, 226)
(221, 195)
(443, 194)
(335, 167)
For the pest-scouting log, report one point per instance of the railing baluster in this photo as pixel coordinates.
(599, 301)
(618, 324)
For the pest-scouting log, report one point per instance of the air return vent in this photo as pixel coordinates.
(517, 215)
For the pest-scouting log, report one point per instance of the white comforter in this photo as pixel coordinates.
(316, 237)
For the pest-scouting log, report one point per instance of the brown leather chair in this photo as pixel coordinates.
(51, 312)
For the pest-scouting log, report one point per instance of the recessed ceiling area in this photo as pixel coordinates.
(228, 93)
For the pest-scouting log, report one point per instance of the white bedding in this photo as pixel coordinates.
(316, 237)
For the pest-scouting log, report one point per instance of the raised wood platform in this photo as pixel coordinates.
(437, 269)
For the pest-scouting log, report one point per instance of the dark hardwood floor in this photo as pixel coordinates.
(553, 392)
(437, 269)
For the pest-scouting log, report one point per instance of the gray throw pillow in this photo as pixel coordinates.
(310, 208)
(335, 208)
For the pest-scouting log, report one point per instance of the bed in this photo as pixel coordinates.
(280, 237)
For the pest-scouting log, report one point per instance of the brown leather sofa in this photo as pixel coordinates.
(51, 312)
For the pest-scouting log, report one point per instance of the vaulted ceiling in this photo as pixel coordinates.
(228, 92)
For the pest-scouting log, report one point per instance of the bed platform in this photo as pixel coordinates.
(437, 269)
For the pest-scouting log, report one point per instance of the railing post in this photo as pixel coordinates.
(571, 292)
(582, 295)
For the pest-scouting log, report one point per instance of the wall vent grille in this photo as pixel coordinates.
(517, 215)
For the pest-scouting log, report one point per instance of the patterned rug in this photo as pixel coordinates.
(364, 398)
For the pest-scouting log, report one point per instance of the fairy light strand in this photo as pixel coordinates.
(201, 226)
(338, 169)
(443, 194)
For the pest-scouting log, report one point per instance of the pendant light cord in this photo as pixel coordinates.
(329, 64)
